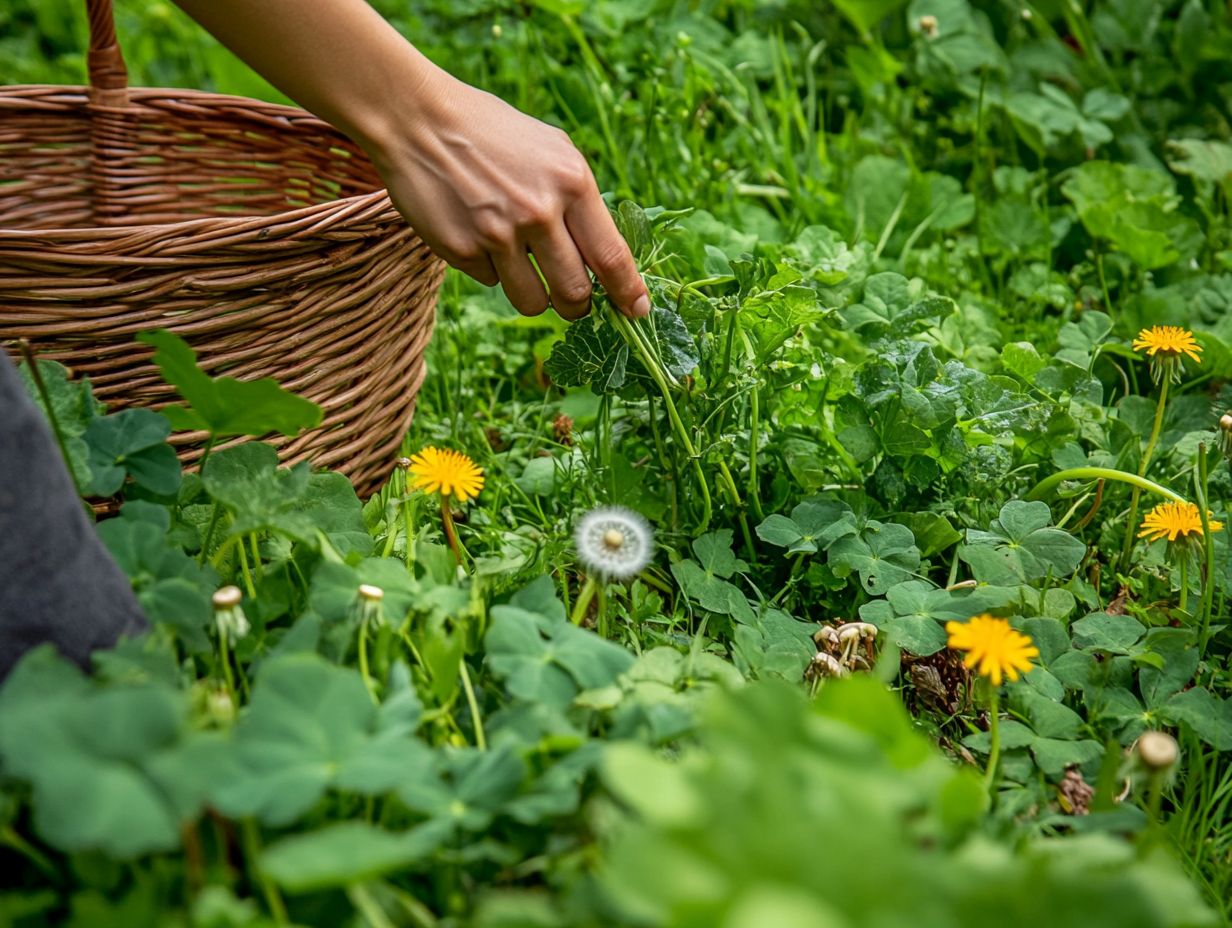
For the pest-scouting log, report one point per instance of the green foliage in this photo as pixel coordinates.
(224, 406)
(900, 254)
(736, 831)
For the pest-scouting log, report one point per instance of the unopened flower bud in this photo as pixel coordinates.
(221, 706)
(928, 26)
(229, 617)
(1225, 422)
(367, 609)
(1157, 750)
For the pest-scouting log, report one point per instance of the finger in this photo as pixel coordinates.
(568, 283)
(520, 282)
(607, 254)
(481, 269)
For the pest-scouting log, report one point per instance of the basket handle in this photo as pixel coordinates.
(108, 75)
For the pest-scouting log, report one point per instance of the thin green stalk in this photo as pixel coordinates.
(11, 839)
(1132, 522)
(215, 512)
(633, 337)
(754, 426)
(994, 736)
(1184, 578)
(224, 659)
(481, 741)
(583, 601)
(252, 854)
(1045, 486)
(45, 395)
(451, 531)
(1208, 547)
(362, 648)
(248, 584)
(374, 916)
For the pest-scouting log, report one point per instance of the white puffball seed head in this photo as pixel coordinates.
(614, 542)
(1157, 750)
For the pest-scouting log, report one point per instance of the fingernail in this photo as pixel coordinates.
(641, 306)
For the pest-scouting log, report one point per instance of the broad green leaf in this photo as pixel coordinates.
(1208, 716)
(883, 554)
(812, 526)
(346, 852)
(131, 443)
(86, 752)
(1024, 543)
(1113, 633)
(310, 727)
(171, 587)
(1135, 209)
(892, 303)
(864, 14)
(225, 406)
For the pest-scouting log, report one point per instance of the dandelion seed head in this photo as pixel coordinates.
(1157, 750)
(614, 542)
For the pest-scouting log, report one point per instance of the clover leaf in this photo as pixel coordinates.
(883, 554)
(131, 443)
(1025, 547)
(311, 727)
(812, 526)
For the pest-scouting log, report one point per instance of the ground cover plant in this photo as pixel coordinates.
(888, 552)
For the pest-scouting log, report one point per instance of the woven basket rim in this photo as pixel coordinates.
(236, 224)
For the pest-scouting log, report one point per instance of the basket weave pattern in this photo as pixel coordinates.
(255, 231)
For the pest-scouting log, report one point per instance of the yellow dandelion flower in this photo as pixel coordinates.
(1173, 521)
(450, 473)
(994, 649)
(1171, 341)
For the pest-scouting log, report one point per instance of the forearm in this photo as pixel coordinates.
(337, 58)
(483, 184)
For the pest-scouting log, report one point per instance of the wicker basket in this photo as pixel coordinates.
(255, 231)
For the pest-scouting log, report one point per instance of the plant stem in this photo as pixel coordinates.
(224, 658)
(1041, 489)
(248, 584)
(37, 376)
(1142, 466)
(252, 853)
(634, 338)
(1208, 547)
(215, 512)
(1184, 578)
(362, 647)
(14, 841)
(994, 736)
(583, 601)
(451, 532)
(408, 521)
(481, 741)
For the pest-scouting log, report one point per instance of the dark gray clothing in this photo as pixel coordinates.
(57, 581)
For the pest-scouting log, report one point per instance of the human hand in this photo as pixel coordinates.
(486, 186)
